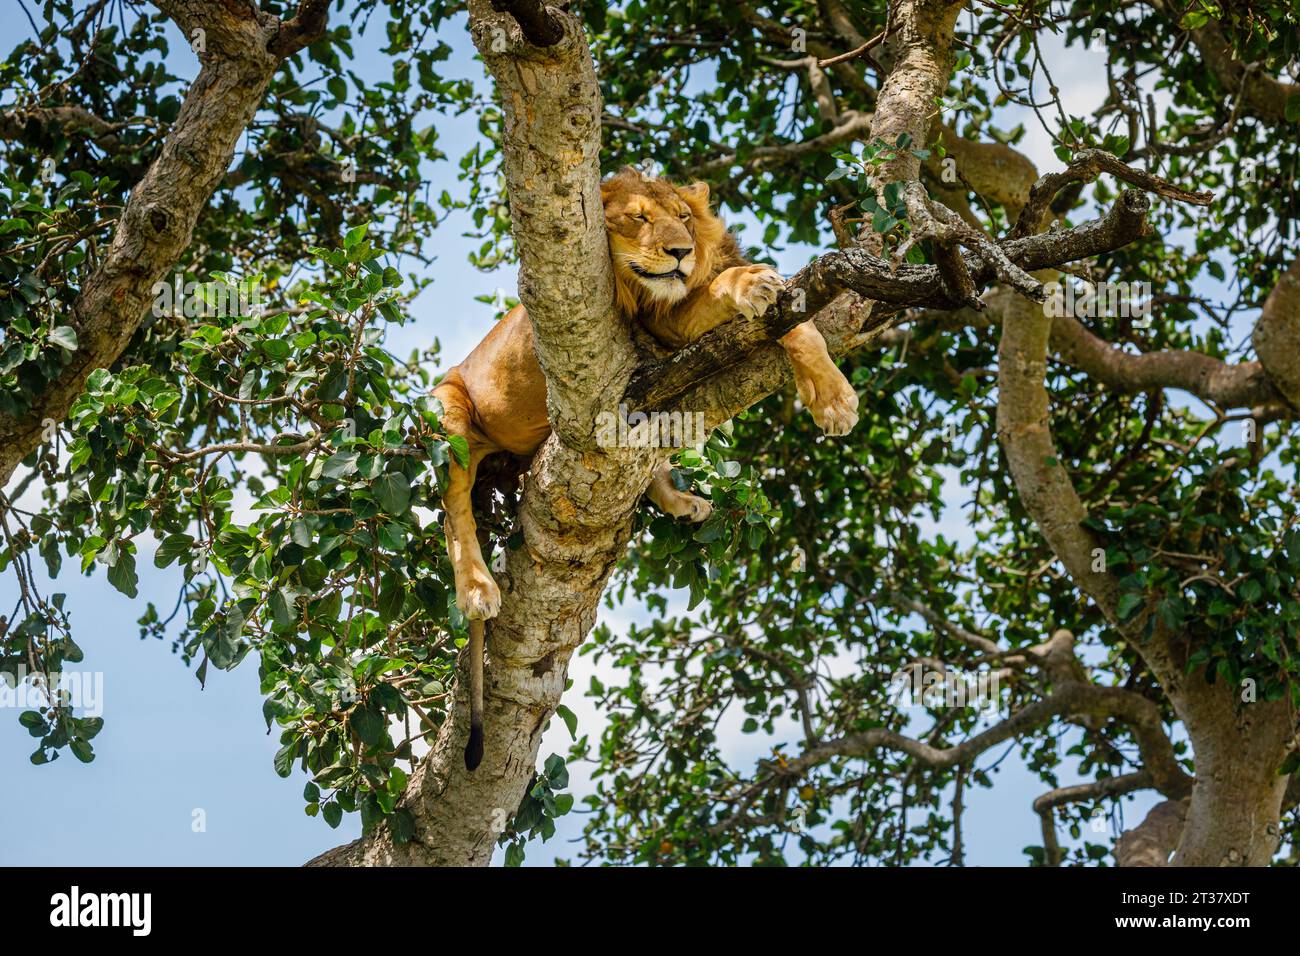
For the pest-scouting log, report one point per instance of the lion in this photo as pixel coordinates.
(678, 272)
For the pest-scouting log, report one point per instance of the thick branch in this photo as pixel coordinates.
(1071, 700)
(1152, 841)
(1244, 385)
(666, 384)
(1232, 816)
(304, 29)
(846, 324)
(1277, 335)
(1226, 385)
(1085, 167)
(1044, 486)
(921, 32)
(17, 124)
(1046, 804)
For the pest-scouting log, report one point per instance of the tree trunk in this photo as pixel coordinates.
(578, 501)
(1236, 803)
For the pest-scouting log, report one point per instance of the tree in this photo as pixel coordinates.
(1162, 565)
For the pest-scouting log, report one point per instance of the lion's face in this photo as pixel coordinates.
(663, 238)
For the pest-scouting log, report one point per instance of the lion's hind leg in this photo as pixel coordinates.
(477, 594)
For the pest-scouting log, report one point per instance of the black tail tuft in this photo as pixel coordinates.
(474, 749)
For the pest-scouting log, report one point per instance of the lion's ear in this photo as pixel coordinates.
(695, 193)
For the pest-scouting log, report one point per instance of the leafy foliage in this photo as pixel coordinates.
(288, 465)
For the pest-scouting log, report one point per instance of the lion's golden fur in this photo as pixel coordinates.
(714, 247)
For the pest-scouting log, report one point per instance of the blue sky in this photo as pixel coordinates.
(170, 749)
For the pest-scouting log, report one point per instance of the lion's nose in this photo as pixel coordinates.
(679, 254)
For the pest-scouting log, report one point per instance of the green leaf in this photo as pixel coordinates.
(172, 547)
(333, 776)
(284, 759)
(368, 721)
(300, 533)
(556, 771)
(355, 235)
(392, 537)
(82, 750)
(391, 597)
(332, 813)
(1129, 603)
(570, 720)
(711, 530)
(122, 575)
(282, 611)
(460, 448)
(340, 464)
(394, 493)
(65, 337)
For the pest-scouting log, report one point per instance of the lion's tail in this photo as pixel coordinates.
(474, 749)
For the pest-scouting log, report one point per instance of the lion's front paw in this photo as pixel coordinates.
(691, 507)
(832, 402)
(838, 415)
(753, 289)
(697, 509)
(479, 598)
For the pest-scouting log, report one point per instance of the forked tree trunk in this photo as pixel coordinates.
(1238, 747)
(550, 590)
